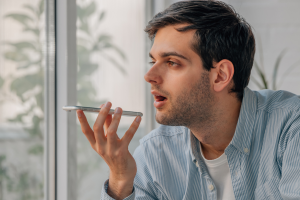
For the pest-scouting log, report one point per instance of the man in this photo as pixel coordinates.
(219, 139)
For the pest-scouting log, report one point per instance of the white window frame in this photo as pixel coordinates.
(66, 94)
(49, 104)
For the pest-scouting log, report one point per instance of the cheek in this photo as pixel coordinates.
(178, 82)
(177, 86)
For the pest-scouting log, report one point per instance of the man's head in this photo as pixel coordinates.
(200, 48)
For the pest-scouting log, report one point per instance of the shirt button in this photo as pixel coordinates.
(197, 165)
(211, 187)
(246, 150)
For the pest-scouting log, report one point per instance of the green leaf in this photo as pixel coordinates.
(119, 51)
(35, 31)
(18, 118)
(30, 8)
(101, 16)
(35, 131)
(90, 9)
(115, 63)
(26, 83)
(41, 7)
(288, 71)
(29, 63)
(104, 43)
(82, 41)
(16, 56)
(1, 81)
(21, 18)
(40, 100)
(86, 69)
(103, 39)
(256, 82)
(84, 27)
(84, 12)
(23, 45)
(36, 149)
(261, 75)
(276, 67)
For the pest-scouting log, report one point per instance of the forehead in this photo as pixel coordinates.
(169, 39)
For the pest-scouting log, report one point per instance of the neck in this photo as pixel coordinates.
(216, 134)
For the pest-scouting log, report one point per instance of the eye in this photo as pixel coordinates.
(172, 64)
(152, 63)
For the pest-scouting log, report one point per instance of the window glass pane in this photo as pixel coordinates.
(111, 66)
(21, 99)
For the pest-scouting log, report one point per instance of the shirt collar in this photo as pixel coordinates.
(196, 155)
(193, 145)
(243, 132)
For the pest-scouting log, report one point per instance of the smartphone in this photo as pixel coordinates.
(97, 110)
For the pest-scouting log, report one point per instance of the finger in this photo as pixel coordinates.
(99, 123)
(107, 123)
(85, 127)
(112, 129)
(131, 131)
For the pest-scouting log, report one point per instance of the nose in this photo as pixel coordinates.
(153, 76)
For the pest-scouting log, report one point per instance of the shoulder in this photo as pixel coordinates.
(269, 100)
(168, 142)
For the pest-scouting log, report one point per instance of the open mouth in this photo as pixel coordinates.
(160, 98)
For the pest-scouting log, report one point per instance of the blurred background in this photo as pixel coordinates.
(112, 57)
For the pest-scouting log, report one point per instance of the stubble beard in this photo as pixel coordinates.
(192, 107)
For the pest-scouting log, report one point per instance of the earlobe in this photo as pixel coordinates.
(224, 71)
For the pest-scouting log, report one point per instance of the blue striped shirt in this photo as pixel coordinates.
(263, 156)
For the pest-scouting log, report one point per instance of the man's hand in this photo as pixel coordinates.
(112, 149)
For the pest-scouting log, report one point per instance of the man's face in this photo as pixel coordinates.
(179, 83)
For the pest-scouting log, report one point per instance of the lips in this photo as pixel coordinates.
(160, 100)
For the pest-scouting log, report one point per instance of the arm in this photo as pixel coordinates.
(289, 185)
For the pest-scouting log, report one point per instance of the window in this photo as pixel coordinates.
(111, 63)
(26, 132)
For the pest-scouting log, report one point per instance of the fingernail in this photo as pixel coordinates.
(101, 105)
(117, 110)
(79, 114)
(108, 104)
(138, 119)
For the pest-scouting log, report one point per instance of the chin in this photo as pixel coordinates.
(163, 119)
(160, 118)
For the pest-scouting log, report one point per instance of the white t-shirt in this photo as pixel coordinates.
(220, 174)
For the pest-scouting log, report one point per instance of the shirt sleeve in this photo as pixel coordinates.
(105, 196)
(143, 188)
(289, 185)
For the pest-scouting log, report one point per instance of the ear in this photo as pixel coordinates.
(222, 74)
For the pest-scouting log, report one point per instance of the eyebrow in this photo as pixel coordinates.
(173, 53)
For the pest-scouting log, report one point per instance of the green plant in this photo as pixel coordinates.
(262, 82)
(28, 56)
(91, 41)
(27, 86)
(3, 176)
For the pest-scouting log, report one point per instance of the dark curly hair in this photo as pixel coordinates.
(220, 34)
